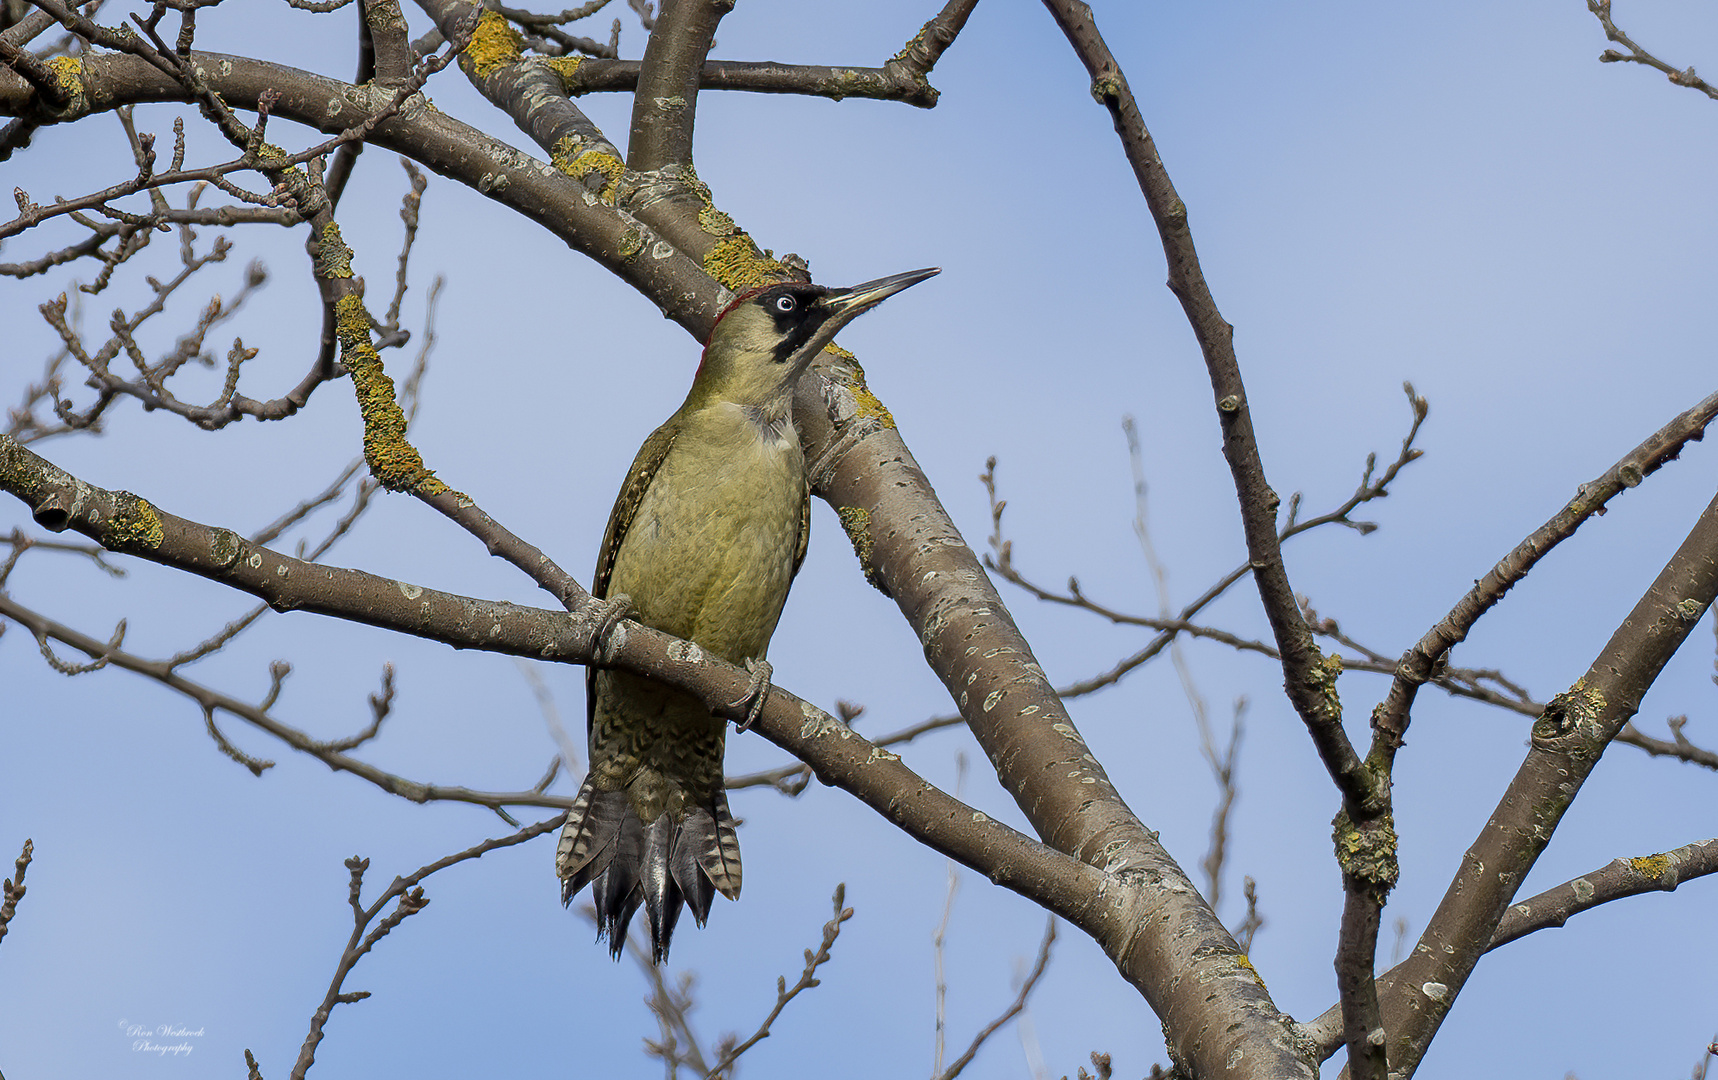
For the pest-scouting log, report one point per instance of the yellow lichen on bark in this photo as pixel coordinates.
(856, 522)
(68, 72)
(871, 406)
(738, 264)
(567, 68)
(393, 461)
(135, 526)
(1651, 866)
(494, 45)
(570, 157)
(333, 258)
(866, 404)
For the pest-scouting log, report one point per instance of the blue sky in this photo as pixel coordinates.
(1461, 197)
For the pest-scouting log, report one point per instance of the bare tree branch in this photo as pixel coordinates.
(1308, 677)
(13, 890)
(724, 1067)
(665, 106)
(124, 522)
(1601, 9)
(409, 899)
(1617, 880)
(1012, 1011)
(1419, 663)
(904, 77)
(676, 283)
(1567, 741)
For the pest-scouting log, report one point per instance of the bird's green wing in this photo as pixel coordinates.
(650, 458)
(804, 531)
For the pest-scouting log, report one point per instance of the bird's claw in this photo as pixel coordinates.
(612, 612)
(757, 693)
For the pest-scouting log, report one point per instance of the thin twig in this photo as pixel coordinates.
(1637, 55)
(568, 756)
(1221, 762)
(13, 890)
(942, 934)
(409, 899)
(784, 993)
(1013, 1009)
(1390, 720)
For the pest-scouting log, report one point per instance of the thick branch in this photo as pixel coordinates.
(888, 83)
(531, 92)
(664, 110)
(393, 49)
(1567, 742)
(1619, 879)
(1181, 958)
(28, 28)
(1090, 899)
(33, 71)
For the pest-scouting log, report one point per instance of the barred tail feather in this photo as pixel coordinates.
(689, 877)
(658, 867)
(588, 838)
(718, 853)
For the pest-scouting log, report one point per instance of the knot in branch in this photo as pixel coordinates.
(1572, 722)
(1366, 853)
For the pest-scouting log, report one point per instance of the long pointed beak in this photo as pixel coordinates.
(844, 305)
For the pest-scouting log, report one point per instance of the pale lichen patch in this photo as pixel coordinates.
(686, 652)
(224, 547)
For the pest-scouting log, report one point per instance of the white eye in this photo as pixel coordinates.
(785, 303)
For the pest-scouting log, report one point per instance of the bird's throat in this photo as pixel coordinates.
(774, 422)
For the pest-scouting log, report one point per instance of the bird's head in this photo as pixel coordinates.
(763, 341)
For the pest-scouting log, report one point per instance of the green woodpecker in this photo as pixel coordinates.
(705, 538)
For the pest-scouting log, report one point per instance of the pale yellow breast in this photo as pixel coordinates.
(709, 555)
